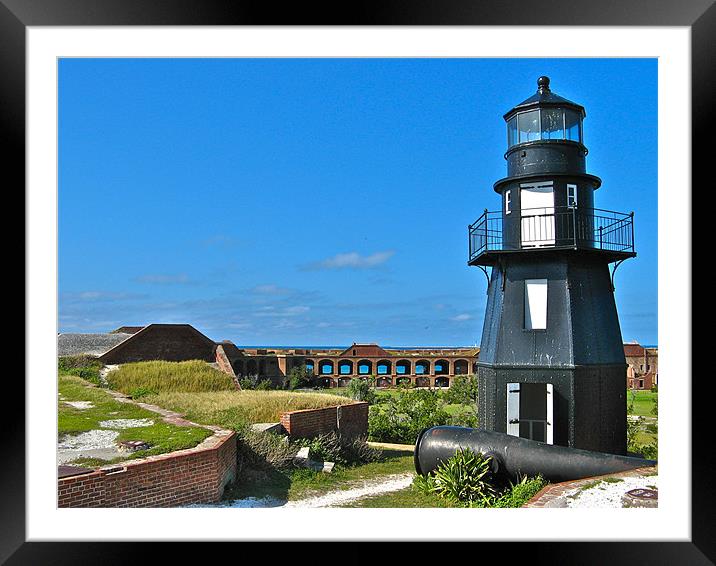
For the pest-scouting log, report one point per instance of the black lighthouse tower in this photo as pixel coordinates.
(551, 365)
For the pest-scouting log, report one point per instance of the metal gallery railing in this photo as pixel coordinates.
(553, 227)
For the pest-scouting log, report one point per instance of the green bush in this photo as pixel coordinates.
(465, 478)
(361, 390)
(299, 377)
(333, 447)
(462, 391)
(520, 493)
(264, 385)
(400, 419)
(140, 392)
(86, 367)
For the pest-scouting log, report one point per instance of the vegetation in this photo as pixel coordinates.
(162, 437)
(333, 447)
(86, 367)
(642, 427)
(462, 391)
(400, 419)
(291, 483)
(236, 409)
(466, 480)
(362, 390)
(159, 377)
(299, 377)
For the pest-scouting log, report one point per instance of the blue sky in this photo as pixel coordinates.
(320, 201)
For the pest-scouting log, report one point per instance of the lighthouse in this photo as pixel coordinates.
(551, 365)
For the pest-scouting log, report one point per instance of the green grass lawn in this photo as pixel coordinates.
(407, 497)
(162, 437)
(643, 402)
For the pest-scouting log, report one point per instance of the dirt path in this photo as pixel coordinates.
(358, 490)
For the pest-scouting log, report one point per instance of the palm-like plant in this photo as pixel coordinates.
(466, 477)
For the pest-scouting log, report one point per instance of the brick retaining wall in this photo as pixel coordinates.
(348, 420)
(195, 475)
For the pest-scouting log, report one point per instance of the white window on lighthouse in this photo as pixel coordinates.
(508, 202)
(535, 304)
(572, 196)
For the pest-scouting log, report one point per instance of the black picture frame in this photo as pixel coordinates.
(17, 15)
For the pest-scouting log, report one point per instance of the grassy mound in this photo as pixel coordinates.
(235, 409)
(144, 378)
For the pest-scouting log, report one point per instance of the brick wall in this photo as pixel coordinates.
(348, 420)
(225, 365)
(196, 475)
(170, 342)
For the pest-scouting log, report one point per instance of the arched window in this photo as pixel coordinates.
(310, 367)
(442, 381)
(402, 367)
(383, 367)
(365, 367)
(325, 367)
(422, 367)
(442, 367)
(461, 367)
(345, 367)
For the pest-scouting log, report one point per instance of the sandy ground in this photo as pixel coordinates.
(605, 495)
(90, 444)
(384, 484)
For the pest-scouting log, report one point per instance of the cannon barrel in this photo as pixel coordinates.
(513, 456)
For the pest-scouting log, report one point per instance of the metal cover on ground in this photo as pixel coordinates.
(67, 471)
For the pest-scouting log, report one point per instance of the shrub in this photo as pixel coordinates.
(655, 408)
(86, 367)
(520, 493)
(264, 450)
(361, 390)
(299, 377)
(333, 447)
(264, 385)
(462, 391)
(400, 419)
(465, 478)
(140, 392)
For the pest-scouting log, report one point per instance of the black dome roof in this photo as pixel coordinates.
(545, 97)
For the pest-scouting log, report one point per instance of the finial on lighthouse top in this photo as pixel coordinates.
(543, 84)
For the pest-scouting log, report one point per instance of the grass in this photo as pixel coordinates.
(236, 409)
(301, 483)
(159, 377)
(643, 402)
(162, 437)
(407, 497)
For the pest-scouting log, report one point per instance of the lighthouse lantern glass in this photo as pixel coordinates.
(528, 125)
(552, 124)
(573, 125)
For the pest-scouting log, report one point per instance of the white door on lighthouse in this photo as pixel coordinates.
(530, 411)
(537, 214)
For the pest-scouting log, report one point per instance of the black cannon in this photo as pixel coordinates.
(513, 456)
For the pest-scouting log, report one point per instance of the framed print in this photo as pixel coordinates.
(330, 170)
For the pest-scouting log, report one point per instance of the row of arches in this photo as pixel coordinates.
(387, 367)
(389, 381)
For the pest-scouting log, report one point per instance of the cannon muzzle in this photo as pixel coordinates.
(514, 457)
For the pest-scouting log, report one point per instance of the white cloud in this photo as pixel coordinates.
(351, 260)
(461, 317)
